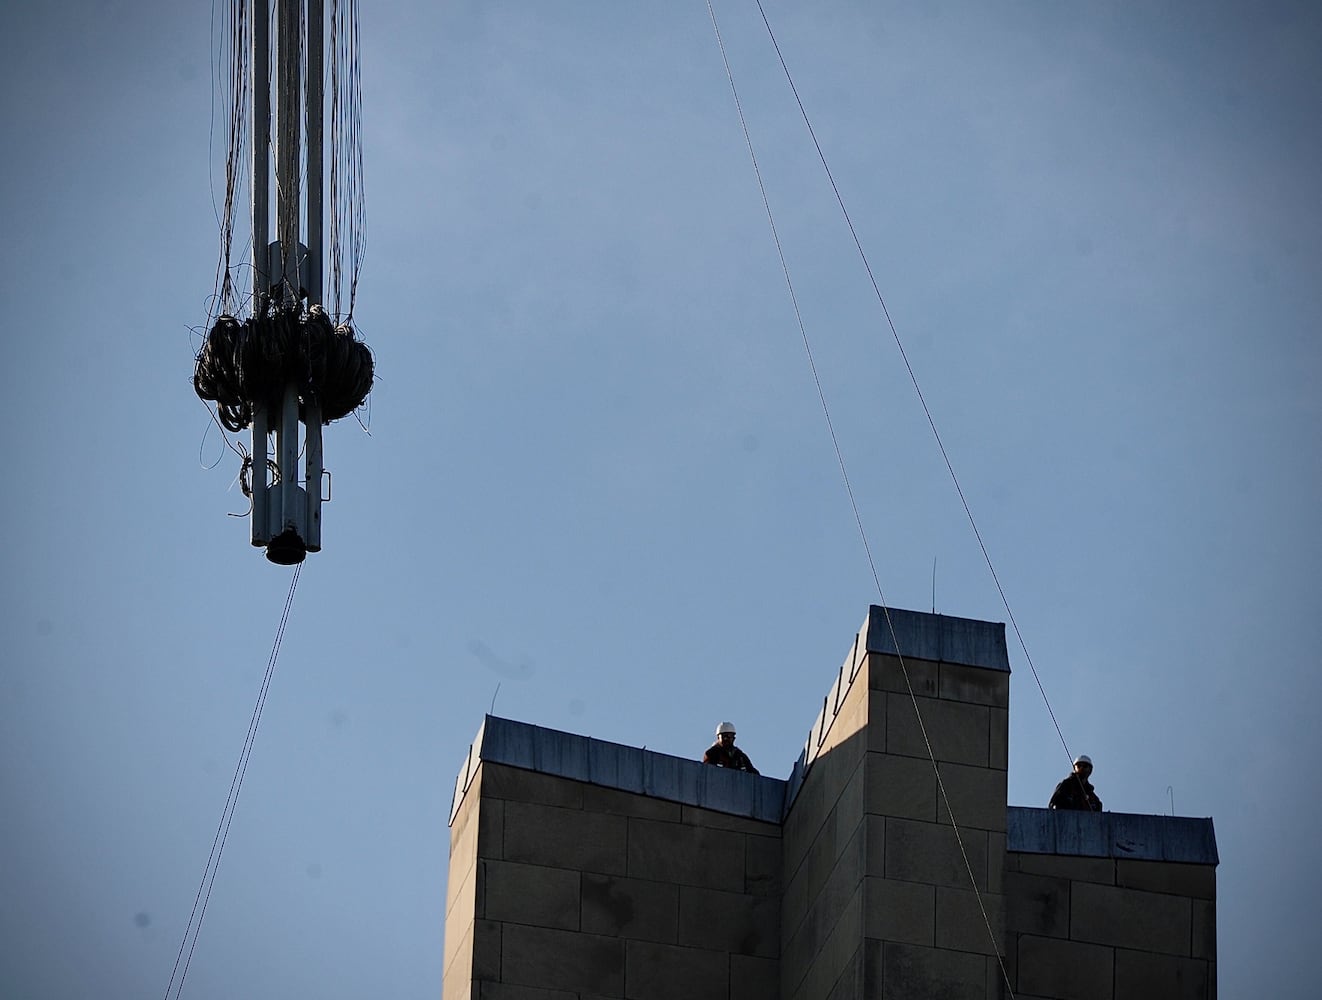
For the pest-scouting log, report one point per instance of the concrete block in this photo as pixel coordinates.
(849, 984)
(927, 852)
(729, 921)
(685, 855)
(1141, 975)
(1130, 918)
(475, 956)
(852, 802)
(1197, 881)
(457, 980)
(817, 909)
(504, 991)
(874, 857)
(910, 971)
(1065, 970)
(1100, 871)
(969, 921)
(849, 719)
(936, 637)
(762, 871)
(876, 733)
(455, 987)
(808, 879)
(754, 978)
(803, 825)
(531, 894)
(562, 960)
(901, 786)
(500, 781)
(957, 732)
(819, 972)
(805, 936)
(1204, 929)
(998, 738)
(487, 944)
(835, 768)
(922, 677)
(622, 803)
(1037, 904)
(463, 831)
(630, 908)
(976, 794)
(697, 816)
(1000, 977)
(835, 820)
(565, 838)
(461, 897)
(995, 861)
(899, 911)
(664, 972)
(974, 684)
(458, 986)
(491, 829)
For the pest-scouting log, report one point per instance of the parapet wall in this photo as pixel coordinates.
(573, 890)
(1110, 906)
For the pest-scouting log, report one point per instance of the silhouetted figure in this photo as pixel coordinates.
(1075, 792)
(723, 753)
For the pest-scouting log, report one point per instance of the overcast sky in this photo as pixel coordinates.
(599, 490)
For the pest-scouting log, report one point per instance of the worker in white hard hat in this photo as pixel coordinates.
(1076, 792)
(723, 753)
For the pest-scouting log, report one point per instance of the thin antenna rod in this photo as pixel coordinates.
(493, 699)
(934, 585)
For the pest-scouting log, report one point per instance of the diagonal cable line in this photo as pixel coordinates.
(968, 512)
(844, 473)
(203, 897)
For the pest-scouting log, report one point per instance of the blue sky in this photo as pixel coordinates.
(599, 488)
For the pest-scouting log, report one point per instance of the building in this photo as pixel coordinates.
(585, 870)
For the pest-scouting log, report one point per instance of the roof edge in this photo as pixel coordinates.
(1131, 836)
(613, 765)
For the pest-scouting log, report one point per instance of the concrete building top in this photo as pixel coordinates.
(944, 638)
(1111, 835)
(919, 636)
(613, 765)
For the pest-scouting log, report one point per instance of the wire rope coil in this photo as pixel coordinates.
(247, 363)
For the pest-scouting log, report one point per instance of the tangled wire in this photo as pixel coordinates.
(249, 363)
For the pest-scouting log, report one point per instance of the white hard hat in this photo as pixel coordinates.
(1083, 758)
(725, 727)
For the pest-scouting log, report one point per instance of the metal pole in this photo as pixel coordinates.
(312, 475)
(315, 82)
(286, 446)
(260, 68)
(316, 117)
(288, 121)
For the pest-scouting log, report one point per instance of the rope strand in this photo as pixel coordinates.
(203, 897)
(945, 798)
(950, 468)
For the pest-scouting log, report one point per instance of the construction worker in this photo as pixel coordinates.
(723, 753)
(1075, 792)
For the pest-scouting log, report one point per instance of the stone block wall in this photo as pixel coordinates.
(1089, 928)
(880, 887)
(927, 932)
(564, 889)
(825, 847)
